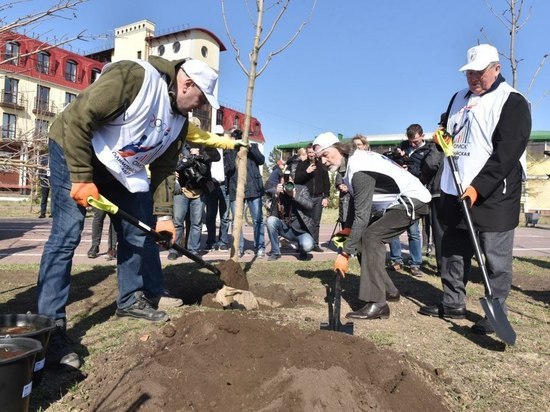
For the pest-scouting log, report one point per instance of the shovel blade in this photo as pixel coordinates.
(498, 320)
(338, 327)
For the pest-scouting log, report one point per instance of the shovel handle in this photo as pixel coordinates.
(470, 225)
(164, 241)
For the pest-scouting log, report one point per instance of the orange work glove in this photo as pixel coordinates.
(164, 226)
(441, 134)
(471, 193)
(341, 263)
(81, 191)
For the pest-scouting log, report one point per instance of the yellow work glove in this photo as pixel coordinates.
(341, 263)
(81, 191)
(339, 239)
(441, 137)
(470, 193)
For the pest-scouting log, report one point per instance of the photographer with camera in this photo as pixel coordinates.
(314, 175)
(410, 155)
(290, 217)
(193, 180)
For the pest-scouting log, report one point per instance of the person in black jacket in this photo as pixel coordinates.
(414, 149)
(490, 124)
(314, 175)
(254, 189)
(290, 218)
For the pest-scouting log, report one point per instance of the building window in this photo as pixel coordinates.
(8, 126)
(176, 47)
(11, 87)
(43, 63)
(42, 98)
(12, 52)
(94, 76)
(236, 121)
(70, 71)
(161, 50)
(41, 128)
(204, 51)
(69, 97)
(139, 54)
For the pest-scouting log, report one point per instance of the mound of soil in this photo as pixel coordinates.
(232, 274)
(234, 361)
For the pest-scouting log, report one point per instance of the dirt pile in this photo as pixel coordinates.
(234, 361)
(232, 274)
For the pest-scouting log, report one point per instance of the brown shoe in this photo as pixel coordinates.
(394, 267)
(393, 297)
(371, 311)
(416, 272)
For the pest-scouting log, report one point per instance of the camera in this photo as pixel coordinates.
(397, 156)
(193, 172)
(288, 185)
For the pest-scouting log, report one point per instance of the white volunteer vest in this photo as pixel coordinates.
(473, 121)
(141, 134)
(409, 186)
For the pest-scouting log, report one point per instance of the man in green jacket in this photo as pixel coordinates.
(135, 115)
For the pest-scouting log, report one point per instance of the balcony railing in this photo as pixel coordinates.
(44, 107)
(12, 100)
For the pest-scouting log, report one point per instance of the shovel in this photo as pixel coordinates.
(103, 204)
(491, 306)
(334, 323)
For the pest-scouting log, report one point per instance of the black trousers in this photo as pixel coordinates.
(375, 281)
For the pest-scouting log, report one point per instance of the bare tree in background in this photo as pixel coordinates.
(512, 18)
(252, 72)
(33, 144)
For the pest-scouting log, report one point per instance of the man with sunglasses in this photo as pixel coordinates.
(135, 115)
(490, 124)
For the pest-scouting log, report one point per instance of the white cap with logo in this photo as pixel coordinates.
(324, 141)
(204, 77)
(479, 57)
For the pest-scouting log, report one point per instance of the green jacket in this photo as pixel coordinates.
(102, 102)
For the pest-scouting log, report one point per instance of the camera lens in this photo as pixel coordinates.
(289, 186)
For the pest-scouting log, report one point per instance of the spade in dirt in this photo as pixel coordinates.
(230, 272)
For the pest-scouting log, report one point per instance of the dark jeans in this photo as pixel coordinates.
(375, 281)
(316, 214)
(44, 193)
(216, 201)
(97, 230)
(68, 221)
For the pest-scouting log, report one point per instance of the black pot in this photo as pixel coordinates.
(17, 357)
(37, 327)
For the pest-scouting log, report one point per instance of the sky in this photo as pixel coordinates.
(359, 66)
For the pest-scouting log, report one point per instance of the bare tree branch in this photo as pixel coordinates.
(232, 40)
(539, 68)
(53, 11)
(292, 39)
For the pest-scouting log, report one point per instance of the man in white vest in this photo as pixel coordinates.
(386, 201)
(490, 123)
(135, 114)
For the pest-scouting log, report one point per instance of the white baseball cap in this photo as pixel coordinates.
(204, 77)
(218, 129)
(479, 57)
(324, 141)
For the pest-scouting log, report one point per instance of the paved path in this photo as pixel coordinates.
(22, 240)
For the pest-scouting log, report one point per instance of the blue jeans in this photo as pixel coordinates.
(68, 222)
(276, 227)
(415, 246)
(255, 207)
(182, 204)
(217, 200)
